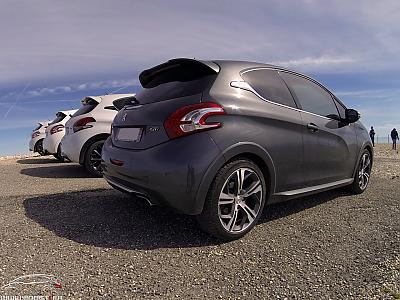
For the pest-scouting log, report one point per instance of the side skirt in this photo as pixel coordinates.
(288, 195)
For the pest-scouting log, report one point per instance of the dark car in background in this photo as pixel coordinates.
(221, 139)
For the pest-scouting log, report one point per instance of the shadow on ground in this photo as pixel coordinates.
(107, 218)
(57, 171)
(38, 161)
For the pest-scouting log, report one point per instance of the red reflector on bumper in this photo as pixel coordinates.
(116, 162)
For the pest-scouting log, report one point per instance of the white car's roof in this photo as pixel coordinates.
(67, 112)
(108, 98)
(44, 123)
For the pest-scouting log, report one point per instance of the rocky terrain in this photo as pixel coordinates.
(101, 244)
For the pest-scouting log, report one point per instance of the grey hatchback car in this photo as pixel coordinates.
(222, 139)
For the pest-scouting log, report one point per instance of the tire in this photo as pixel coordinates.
(92, 160)
(362, 174)
(39, 147)
(230, 217)
(58, 155)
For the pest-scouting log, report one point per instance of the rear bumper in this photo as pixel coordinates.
(125, 187)
(169, 174)
(71, 146)
(33, 141)
(51, 142)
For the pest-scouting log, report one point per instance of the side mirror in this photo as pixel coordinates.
(352, 115)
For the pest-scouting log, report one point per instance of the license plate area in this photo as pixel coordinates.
(129, 134)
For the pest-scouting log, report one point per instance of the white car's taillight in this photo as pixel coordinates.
(192, 118)
(56, 129)
(83, 124)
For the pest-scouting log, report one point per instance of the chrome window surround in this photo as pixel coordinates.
(245, 86)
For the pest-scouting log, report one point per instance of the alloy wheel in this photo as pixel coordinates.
(95, 157)
(364, 171)
(240, 200)
(40, 148)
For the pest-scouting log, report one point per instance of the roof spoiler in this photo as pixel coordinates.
(87, 99)
(126, 101)
(148, 75)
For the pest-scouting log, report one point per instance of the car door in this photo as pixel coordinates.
(329, 143)
(280, 123)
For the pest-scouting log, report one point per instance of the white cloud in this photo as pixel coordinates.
(76, 87)
(57, 40)
(322, 61)
(372, 93)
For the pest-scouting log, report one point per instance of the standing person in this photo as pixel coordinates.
(372, 135)
(395, 137)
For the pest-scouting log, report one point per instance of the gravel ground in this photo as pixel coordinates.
(54, 219)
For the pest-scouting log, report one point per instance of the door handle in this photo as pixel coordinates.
(312, 127)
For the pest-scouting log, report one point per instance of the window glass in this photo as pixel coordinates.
(59, 117)
(86, 107)
(341, 109)
(269, 85)
(38, 127)
(311, 96)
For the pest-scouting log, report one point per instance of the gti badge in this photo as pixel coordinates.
(124, 117)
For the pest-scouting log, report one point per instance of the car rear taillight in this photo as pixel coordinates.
(192, 118)
(35, 134)
(83, 124)
(56, 129)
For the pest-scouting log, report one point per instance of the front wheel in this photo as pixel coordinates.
(235, 200)
(93, 158)
(363, 174)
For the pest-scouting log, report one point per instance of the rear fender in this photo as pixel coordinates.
(241, 149)
(99, 137)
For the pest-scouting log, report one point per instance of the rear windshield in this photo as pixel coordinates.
(174, 81)
(59, 118)
(38, 127)
(87, 107)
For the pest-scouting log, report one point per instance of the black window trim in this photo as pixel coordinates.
(337, 100)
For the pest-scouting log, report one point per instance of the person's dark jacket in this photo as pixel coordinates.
(394, 134)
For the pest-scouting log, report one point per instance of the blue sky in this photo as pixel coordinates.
(55, 53)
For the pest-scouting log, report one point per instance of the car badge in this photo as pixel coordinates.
(124, 117)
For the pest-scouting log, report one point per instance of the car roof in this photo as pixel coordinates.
(110, 97)
(67, 112)
(237, 65)
(242, 65)
(44, 123)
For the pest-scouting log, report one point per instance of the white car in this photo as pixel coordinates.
(38, 135)
(88, 129)
(55, 132)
